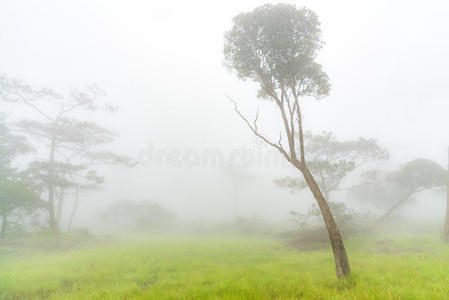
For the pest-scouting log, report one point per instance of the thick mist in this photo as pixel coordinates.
(224, 149)
(161, 63)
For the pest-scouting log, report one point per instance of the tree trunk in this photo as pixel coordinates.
(4, 224)
(340, 256)
(338, 247)
(75, 206)
(392, 209)
(51, 189)
(445, 235)
(51, 209)
(60, 205)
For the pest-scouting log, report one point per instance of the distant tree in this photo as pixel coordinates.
(399, 186)
(379, 192)
(80, 183)
(276, 46)
(343, 215)
(141, 215)
(11, 146)
(17, 189)
(330, 161)
(68, 179)
(239, 177)
(61, 133)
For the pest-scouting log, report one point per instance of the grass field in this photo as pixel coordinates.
(221, 268)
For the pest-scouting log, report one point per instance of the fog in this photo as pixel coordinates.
(161, 63)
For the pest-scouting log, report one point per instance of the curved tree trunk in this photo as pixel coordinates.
(340, 256)
(338, 248)
(289, 119)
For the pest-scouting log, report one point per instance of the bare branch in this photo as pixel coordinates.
(256, 132)
(28, 102)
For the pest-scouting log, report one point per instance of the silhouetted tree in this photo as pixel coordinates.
(63, 135)
(399, 186)
(141, 215)
(239, 177)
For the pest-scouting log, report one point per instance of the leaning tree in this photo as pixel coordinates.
(397, 187)
(276, 46)
(413, 177)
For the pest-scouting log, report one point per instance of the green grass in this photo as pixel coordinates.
(228, 268)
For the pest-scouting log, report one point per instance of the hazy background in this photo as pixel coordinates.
(161, 63)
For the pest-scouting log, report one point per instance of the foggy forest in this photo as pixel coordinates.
(224, 149)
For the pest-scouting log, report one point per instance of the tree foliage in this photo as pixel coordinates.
(419, 174)
(276, 46)
(142, 215)
(331, 160)
(73, 145)
(398, 187)
(18, 189)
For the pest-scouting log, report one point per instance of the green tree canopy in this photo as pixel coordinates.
(276, 46)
